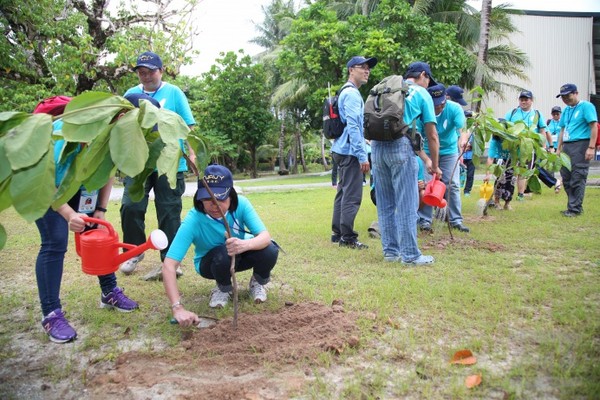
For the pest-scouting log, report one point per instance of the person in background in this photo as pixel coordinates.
(455, 93)
(553, 127)
(149, 69)
(203, 226)
(577, 139)
(350, 154)
(450, 127)
(54, 227)
(533, 119)
(467, 160)
(396, 173)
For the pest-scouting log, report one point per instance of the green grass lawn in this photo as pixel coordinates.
(521, 291)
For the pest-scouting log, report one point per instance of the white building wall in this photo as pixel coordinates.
(560, 51)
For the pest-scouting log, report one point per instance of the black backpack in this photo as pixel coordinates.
(333, 127)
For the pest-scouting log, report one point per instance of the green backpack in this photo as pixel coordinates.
(384, 110)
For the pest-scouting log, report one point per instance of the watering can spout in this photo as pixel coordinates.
(157, 241)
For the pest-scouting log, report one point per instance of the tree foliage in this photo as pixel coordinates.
(319, 44)
(71, 46)
(235, 112)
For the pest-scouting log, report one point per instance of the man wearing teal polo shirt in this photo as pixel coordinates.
(451, 120)
(534, 120)
(578, 140)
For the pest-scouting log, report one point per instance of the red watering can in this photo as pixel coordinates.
(434, 193)
(99, 248)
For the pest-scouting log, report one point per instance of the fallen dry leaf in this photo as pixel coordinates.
(464, 357)
(472, 381)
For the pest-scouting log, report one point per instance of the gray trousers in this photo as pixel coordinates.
(574, 180)
(348, 197)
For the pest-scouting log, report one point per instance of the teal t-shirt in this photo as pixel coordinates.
(576, 121)
(496, 151)
(554, 129)
(171, 98)
(418, 106)
(206, 233)
(449, 123)
(533, 119)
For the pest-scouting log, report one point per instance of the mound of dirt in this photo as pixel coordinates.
(258, 360)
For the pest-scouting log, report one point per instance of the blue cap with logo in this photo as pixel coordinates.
(527, 94)
(438, 94)
(566, 89)
(219, 180)
(149, 60)
(456, 94)
(357, 60)
(556, 109)
(420, 66)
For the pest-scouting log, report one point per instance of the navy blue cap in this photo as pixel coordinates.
(556, 109)
(220, 181)
(456, 94)
(149, 60)
(134, 98)
(420, 66)
(526, 93)
(566, 89)
(438, 94)
(357, 60)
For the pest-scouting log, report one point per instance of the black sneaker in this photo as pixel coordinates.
(425, 227)
(570, 214)
(335, 238)
(355, 244)
(461, 227)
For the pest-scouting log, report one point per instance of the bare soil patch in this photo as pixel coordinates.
(258, 360)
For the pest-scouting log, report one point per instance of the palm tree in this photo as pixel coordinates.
(501, 60)
(278, 17)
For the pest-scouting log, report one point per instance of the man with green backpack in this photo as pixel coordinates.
(393, 146)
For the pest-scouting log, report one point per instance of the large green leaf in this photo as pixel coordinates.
(171, 126)
(100, 177)
(83, 133)
(9, 120)
(91, 107)
(2, 237)
(136, 190)
(93, 155)
(27, 143)
(5, 198)
(5, 169)
(168, 162)
(128, 147)
(68, 187)
(32, 189)
(534, 184)
(565, 160)
(149, 114)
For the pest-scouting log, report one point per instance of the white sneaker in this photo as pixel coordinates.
(130, 265)
(257, 291)
(218, 299)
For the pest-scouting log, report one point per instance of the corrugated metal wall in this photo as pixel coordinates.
(560, 51)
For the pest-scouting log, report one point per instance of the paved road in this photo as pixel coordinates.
(117, 192)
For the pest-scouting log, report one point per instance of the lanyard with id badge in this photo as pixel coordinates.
(87, 201)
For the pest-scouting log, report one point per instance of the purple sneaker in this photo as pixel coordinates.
(117, 299)
(57, 327)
